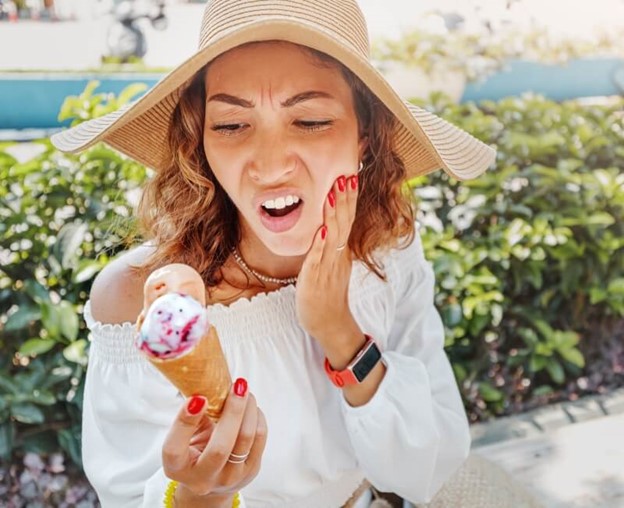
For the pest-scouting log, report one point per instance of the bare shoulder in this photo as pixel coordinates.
(117, 292)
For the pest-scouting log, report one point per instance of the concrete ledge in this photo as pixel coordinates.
(576, 466)
(548, 418)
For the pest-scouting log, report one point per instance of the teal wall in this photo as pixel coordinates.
(31, 101)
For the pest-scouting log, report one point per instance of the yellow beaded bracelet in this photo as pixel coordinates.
(171, 490)
(169, 493)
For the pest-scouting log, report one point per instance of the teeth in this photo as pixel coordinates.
(281, 202)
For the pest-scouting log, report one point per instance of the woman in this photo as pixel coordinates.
(280, 155)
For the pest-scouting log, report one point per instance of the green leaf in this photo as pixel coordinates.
(537, 363)
(7, 432)
(543, 390)
(574, 356)
(75, 352)
(8, 386)
(89, 89)
(26, 412)
(51, 319)
(529, 336)
(597, 295)
(460, 372)
(489, 393)
(555, 370)
(68, 320)
(69, 439)
(600, 219)
(71, 104)
(478, 323)
(616, 286)
(43, 398)
(593, 219)
(565, 340)
(23, 317)
(68, 242)
(36, 291)
(543, 328)
(36, 346)
(543, 349)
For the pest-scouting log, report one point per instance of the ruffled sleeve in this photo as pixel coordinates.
(128, 409)
(413, 434)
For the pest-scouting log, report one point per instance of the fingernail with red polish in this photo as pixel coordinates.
(331, 198)
(323, 232)
(354, 182)
(342, 183)
(240, 387)
(196, 404)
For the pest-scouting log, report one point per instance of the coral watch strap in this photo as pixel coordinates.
(357, 370)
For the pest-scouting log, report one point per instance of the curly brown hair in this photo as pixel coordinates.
(190, 219)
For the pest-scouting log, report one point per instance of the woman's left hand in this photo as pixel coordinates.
(322, 298)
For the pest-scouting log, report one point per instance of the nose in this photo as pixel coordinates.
(273, 160)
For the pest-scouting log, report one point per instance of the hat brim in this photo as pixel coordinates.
(423, 141)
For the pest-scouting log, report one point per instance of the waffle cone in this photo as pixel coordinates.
(201, 371)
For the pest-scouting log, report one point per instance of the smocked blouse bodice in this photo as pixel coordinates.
(409, 438)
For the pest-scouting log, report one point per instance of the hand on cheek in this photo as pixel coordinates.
(323, 284)
(339, 218)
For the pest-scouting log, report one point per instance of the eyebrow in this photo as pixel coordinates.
(291, 101)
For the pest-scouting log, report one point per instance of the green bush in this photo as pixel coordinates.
(528, 259)
(529, 256)
(57, 217)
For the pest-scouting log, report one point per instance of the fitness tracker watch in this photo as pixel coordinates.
(358, 368)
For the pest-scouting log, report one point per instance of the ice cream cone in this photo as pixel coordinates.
(172, 321)
(201, 371)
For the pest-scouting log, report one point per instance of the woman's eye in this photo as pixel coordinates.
(228, 128)
(313, 125)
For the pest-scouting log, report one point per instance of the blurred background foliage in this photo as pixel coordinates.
(478, 53)
(528, 257)
(528, 260)
(62, 217)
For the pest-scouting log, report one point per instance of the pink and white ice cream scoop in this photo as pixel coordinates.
(172, 326)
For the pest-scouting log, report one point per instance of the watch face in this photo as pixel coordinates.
(367, 362)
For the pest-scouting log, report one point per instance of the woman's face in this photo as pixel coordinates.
(280, 127)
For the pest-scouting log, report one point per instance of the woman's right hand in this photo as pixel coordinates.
(208, 459)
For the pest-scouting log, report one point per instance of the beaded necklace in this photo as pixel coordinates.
(260, 276)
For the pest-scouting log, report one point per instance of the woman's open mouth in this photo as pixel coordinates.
(281, 214)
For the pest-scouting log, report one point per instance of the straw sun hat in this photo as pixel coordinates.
(336, 27)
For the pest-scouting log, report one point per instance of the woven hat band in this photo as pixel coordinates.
(340, 19)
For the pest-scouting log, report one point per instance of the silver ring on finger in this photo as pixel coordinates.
(237, 459)
(341, 247)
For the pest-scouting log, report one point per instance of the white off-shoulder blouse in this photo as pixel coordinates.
(408, 439)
